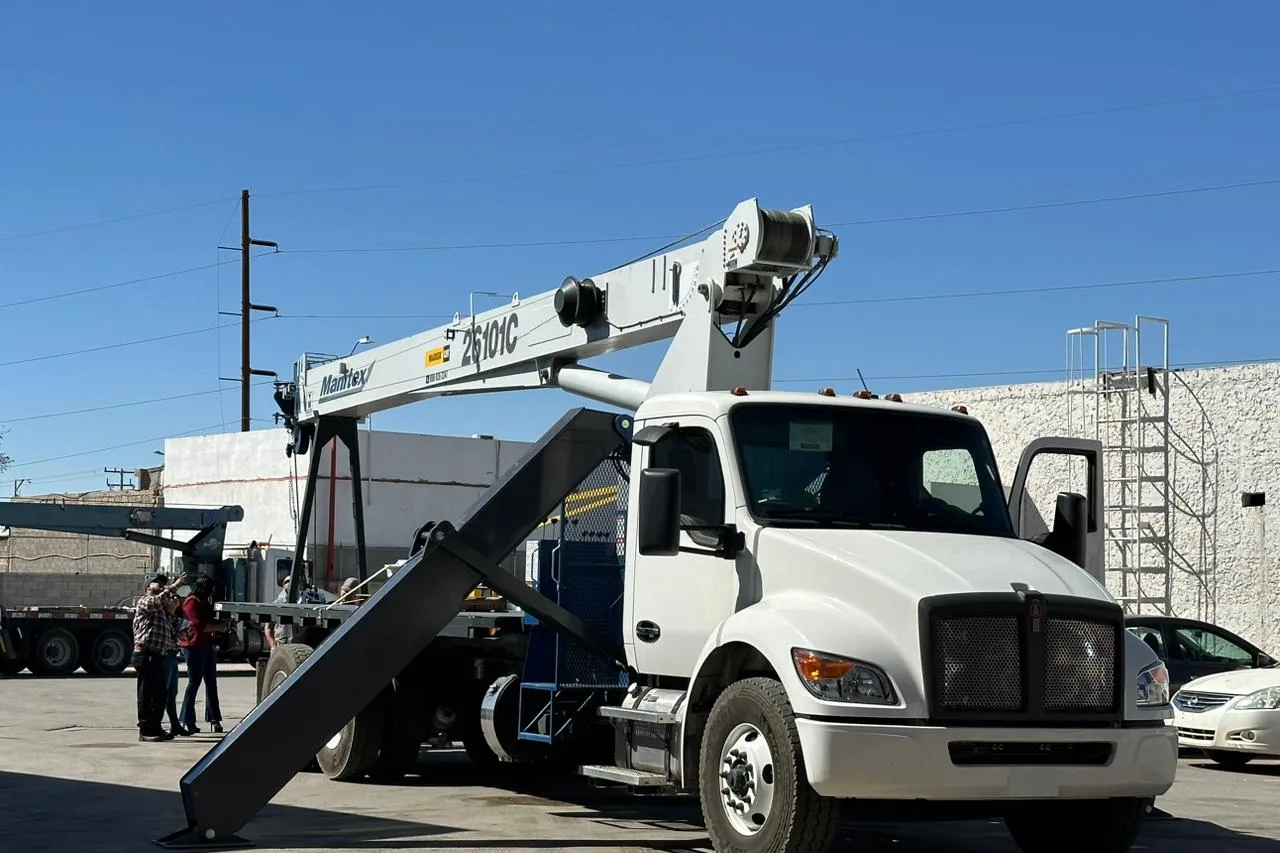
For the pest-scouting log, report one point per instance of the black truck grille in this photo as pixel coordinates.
(1015, 659)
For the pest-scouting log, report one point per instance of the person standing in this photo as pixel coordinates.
(153, 634)
(171, 675)
(202, 657)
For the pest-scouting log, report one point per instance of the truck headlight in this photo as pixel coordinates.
(840, 679)
(1153, 686)
(1266, 699)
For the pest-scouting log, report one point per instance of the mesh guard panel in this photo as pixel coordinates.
(978, 663)
(1080, 666)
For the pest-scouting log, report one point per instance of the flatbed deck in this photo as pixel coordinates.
(466, 624)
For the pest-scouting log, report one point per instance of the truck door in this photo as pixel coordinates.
(677, 601)
(1072, 465)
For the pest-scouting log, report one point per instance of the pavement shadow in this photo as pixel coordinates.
(46, 815)
(571, 798)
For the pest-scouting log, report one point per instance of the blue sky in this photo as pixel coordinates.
(489, 122)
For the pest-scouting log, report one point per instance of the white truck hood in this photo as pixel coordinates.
(919, 564)
(1239, 682)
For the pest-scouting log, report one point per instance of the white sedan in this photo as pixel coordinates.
(1233, 716)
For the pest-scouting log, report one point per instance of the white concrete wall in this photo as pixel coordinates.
(1224, 443)
(407, 479)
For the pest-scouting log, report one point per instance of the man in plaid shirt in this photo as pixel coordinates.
(154, 635)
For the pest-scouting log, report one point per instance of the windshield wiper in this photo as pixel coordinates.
(819, 515)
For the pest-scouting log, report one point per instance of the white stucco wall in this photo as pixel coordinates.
(1224, 442)
(407, 479)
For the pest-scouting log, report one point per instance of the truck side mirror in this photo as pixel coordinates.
(658, 528)
(1069, 536)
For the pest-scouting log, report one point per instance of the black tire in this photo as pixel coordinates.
(1099, 826)
(752, 712)
(55, 652)
(402, 735)
(353, 750)
(108, 653)
(282, 662)
(476, 747)
(1228, 760)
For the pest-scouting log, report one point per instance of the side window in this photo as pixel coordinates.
(950, 476)
(1198, 644)
(693, 452)
(1150, 636)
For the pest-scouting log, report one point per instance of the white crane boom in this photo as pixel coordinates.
(743, 273)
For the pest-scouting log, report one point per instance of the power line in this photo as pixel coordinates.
(981, 211)
(989, 374)
(118, 284)
(99, 288)
(790, 147)
(1052, 204)
(1013, 122)
(975, 294)
(124, 344)
(204, 429)
(126, 405)
(366, 316)
(62, 229)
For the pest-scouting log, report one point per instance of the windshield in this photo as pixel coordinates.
(868, 467)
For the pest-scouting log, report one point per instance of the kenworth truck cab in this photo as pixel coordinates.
(811, 601)
(795, 565)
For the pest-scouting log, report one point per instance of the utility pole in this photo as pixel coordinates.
(246, 371)
(119, 486)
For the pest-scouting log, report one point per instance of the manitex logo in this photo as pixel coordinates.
(345, 383)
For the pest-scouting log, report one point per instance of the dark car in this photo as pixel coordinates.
(1191, 648)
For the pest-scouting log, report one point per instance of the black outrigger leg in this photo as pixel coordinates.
(240, 775)
(346, 431)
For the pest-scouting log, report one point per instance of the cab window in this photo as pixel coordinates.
(692, 451)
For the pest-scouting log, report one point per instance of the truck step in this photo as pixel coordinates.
(624, 776)
(637, 715)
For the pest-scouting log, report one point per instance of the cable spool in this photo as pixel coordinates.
(784, 239)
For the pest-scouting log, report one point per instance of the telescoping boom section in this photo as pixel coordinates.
(234, 780)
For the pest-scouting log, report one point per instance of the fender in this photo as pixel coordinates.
(767, 631)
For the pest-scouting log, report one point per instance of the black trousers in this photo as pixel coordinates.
(153, 690)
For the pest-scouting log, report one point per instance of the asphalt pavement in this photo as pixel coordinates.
(75, 779)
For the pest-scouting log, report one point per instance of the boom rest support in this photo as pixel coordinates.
(257, 758)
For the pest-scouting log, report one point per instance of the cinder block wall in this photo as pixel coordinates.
(1224, 439)
(44, 568)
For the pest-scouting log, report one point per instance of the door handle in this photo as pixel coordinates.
(647, 632)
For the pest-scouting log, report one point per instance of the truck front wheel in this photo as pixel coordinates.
(1099, 826)
(752, 784)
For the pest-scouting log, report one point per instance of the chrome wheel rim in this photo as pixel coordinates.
(746, 779)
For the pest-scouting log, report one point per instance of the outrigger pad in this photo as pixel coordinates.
(187, 839)
(240, 775)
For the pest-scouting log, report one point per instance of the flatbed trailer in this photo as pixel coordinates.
(57, 641)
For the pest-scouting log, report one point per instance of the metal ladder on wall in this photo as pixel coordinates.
(1118, 393)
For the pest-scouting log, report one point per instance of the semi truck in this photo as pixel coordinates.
(57, 641)
(779, 603)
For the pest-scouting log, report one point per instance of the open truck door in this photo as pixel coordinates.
(1077, 527)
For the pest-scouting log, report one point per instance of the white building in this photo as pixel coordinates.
(407, 479)
(1222, 444)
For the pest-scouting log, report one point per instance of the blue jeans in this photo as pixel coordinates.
(202, 667)
(171, 687)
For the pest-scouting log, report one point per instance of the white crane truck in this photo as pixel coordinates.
(807, 600)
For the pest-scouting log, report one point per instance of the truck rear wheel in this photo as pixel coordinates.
(282, 662)
(406, 710)
(1099, 826)
(108, 653)
(55, 652)
(353, 750)
(754, 792)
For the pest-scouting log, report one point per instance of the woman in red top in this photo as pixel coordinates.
(202, 656)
